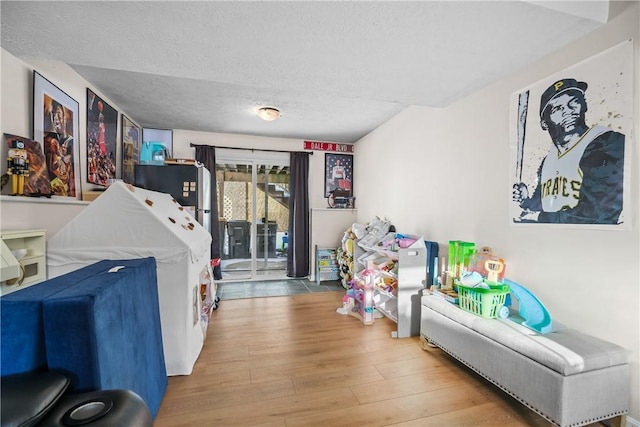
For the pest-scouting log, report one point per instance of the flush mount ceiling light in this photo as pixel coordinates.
(268, 113)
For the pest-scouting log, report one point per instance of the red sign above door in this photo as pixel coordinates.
(328, 146)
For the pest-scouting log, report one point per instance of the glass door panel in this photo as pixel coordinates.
(272, 212)
(234, 205)
(253, 202)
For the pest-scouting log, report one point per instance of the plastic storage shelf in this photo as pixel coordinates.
(326, 264)
(403, 305)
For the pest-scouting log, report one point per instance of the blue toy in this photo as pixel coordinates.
(535, 316)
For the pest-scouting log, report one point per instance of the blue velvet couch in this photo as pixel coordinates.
(99, 325)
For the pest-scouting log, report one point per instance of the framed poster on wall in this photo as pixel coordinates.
(338, 175)
(570, 141)
(102, 125)
(130, 148)
(55, 124)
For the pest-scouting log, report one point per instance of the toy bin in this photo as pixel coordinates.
(483, 302)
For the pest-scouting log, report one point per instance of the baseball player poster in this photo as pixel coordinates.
(570, 143)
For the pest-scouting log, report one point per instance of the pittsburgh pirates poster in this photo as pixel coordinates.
(570, 141)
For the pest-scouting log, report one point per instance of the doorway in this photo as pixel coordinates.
(253, 198)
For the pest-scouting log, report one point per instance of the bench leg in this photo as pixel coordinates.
(425, 344)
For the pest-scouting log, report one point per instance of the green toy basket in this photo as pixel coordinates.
(483, 302)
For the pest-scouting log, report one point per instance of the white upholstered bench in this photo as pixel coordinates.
(569, 378)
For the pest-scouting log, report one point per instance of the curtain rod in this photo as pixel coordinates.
(251, 149)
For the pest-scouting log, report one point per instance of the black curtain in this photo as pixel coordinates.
(206, 154)
(298, 244)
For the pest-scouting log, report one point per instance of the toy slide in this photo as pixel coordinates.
(535, 315)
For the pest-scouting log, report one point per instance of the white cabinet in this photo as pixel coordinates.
(32, 263)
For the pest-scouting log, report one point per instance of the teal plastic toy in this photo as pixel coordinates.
(534, 314)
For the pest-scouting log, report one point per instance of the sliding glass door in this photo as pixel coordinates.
(253, 197)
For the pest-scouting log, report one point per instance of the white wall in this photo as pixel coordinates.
(52, 214)
(17, 119)
(183, 138)
(446, 177)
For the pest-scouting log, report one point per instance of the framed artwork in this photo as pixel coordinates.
(55, 124)
(155, 141)
(102, 125)
(130, 149)
(36, 180)
(570, 144)
(338, 175)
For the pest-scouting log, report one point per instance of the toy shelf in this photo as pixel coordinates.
(386, 303)
(326, 264)
(403, 305)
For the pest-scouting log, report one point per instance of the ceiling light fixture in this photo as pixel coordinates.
(268, 113)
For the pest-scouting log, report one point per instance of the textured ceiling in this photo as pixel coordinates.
(336, 70)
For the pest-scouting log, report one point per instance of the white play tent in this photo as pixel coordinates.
(128, 222)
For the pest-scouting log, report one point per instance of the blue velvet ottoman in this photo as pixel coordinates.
(21, 324)
(100, 328)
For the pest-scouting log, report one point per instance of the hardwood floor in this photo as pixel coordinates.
(294, 361)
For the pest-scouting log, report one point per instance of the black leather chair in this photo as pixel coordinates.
(26, 398)
(38, 399)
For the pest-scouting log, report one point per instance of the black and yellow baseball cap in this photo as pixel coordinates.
(558, 88)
